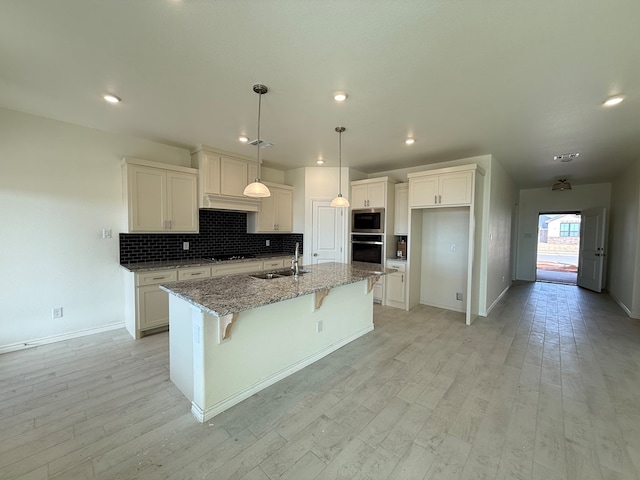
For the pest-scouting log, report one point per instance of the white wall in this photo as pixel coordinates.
(624, 234)
(60, 185)
(445, 253)
(534, 201)
(502, 198)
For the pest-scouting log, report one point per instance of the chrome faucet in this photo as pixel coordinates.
(294, 261)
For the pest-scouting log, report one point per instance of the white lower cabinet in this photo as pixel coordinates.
(147, 306)
(378, 290)
(395, 285)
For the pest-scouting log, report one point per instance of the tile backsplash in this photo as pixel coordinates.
(221, 233)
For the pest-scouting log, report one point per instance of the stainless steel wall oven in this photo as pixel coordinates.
(367, 248)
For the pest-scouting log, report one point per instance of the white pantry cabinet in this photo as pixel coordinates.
(401, 221)
(369, 193)
(159, 198)
(222, 180)
(276, 211)
(435, 188)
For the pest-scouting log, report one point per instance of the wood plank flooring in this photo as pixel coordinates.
(547, 387)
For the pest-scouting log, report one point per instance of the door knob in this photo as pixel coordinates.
(315, 254)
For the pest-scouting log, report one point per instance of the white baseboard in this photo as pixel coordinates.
(205, 415)
(495, 302)
(58, 338)
(624, 307)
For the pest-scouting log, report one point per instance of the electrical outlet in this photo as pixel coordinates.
(56, 312)
(267, 243)
(106, 233)
(458, 295)
(185, 245)
(319, 327)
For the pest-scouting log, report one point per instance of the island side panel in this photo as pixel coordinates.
(271, 342)
(183, 335)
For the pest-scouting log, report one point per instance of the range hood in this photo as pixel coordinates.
(218, 202)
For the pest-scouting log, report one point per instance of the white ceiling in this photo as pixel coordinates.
(522, 80)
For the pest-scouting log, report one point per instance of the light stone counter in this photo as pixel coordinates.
(236, 293)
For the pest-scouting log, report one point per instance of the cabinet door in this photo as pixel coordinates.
(283, 215)
(147, 199)
(401, 221)
(376, 195)
(210, 169)
(266, 216)
(395, 287)
(182, 202)
(423, 191)
(359, 196)
(233, 177)
(455, 188)
(153, 307)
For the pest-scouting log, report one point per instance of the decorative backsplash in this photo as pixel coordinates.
(221, 233)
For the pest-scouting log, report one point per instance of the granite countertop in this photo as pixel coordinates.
(197, 262)
(235, 293)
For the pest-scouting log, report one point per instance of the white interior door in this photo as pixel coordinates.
(593, 233)
(328, 233)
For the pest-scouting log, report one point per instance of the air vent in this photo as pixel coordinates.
(566, 157)
(263, 143)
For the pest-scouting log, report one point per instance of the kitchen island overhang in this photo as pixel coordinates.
(230, 337)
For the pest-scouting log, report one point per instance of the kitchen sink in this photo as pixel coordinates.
(277, 274)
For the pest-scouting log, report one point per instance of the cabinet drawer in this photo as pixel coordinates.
(191, 273)
(233, 268)
(156, 277)
(270, 264)
(400, 266)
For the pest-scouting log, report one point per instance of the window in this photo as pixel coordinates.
(569, 229)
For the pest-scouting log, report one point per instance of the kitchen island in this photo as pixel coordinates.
(232, 336)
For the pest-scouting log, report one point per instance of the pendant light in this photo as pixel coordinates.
(257, 189)
(340, 201)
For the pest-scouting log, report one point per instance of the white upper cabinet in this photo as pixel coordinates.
(370, 193)
(160, 198)
(444, 187)
(222, 180)
(401, 223)
(276, 211)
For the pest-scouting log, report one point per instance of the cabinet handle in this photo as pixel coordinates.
(196, 273)
(159, 278)
(435, 199)
(401, 278)
(440, 199)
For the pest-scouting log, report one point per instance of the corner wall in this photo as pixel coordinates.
(624, 237)
(60, 185)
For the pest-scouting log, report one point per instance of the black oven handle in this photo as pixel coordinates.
(367, 243)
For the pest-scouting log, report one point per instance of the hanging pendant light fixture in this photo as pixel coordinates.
(340, 201)
(257, 189)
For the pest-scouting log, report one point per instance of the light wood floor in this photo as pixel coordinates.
(547, 387)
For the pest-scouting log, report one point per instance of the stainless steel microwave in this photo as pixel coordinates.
(367, 220)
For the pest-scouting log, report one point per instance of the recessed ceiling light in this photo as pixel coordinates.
(410, 141)
(611, 101)
(340, 96)
(566, 157)
(243, 138)
(320, 161)
(111, 98)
